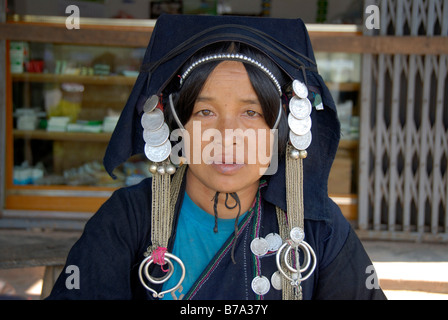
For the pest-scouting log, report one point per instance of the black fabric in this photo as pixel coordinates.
(347, 276)
(110, 251)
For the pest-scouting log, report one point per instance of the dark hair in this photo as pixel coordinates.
(267, 93)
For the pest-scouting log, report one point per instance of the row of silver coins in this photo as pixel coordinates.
(155, 131)
(261, 284)
(273, 242)
(299, 119)
(261, 246)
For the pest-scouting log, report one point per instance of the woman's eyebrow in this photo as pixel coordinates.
(204, 99)
(250, 101)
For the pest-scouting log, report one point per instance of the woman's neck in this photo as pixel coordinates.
(204, 198)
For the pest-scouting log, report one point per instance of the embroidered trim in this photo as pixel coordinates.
(256, 259)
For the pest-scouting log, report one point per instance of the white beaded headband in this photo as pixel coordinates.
(232, 56)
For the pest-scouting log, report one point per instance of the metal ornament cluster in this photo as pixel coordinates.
(156, 135)
(297, 272)
(286, 252)
(299, 120)
(144, 273)
(260, 247)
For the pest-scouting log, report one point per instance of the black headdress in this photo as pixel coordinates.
(177, 38)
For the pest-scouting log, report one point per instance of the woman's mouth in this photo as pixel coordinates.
(227, 168)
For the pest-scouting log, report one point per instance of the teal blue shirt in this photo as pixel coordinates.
(196, 244)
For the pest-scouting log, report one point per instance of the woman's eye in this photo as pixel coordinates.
(205, 113)
(252, 113)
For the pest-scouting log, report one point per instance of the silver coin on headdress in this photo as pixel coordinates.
(157, 137)
(260, 285)
(259, 246)
(159, 153)
(300, 108)
(300, 142)
(151, 103)
(153, 120)
(274, 241)
(276, 280)
(299, 127)
(300, 89)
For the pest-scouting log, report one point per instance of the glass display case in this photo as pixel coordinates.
(65, 103)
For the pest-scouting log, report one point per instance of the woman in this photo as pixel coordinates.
(247, 215)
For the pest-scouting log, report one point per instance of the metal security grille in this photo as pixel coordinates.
(403, 178)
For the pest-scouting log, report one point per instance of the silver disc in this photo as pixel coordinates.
(274, 241)
(151, 103)
(300, 89)
(153, 120)
(157, 137)
(276, 280)
(300, 108)
(300, 142)
(299, 127)
(260, 285)
(259, 246)
(297, 234)
(159, 153)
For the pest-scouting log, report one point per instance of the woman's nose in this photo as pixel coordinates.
(229, 129)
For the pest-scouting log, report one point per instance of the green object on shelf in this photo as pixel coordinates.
(321, 15)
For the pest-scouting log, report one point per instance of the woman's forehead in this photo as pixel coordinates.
(228, 71)
(229, 77)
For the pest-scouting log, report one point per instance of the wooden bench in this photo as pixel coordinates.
(23, 248)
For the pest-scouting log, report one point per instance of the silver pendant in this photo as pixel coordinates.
(300, 272)
(300, 142)
(151, 103)
(297, 234)
(159, 153)
(274, 241)
(259, 246)
(299, 127)
(300, 108)
(143, 273)
(152, 120)
(276, 280)
(300, 89)
(157, 137)
(260, 285)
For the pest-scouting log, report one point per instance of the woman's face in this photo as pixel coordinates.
(231, 143)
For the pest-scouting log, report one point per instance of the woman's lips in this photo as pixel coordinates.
(227, 168)
(226, 164)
